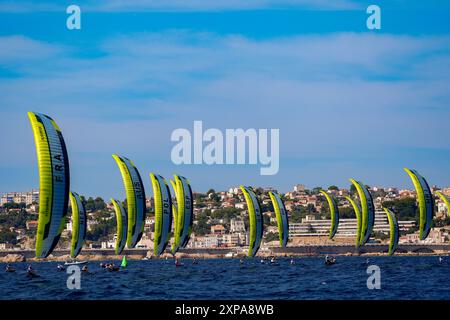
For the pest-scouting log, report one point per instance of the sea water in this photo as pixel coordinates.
(309, 278)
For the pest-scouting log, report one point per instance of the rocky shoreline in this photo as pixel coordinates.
(17, 257)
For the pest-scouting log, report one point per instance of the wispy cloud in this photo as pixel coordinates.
(177, 5)
(29, 6)
(23, 50)
(205, 5)
(344, 98)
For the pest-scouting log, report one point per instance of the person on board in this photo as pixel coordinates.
(272, 260)
(85, 269)
(292, 262)
(9, 268)
(112, 267)
(178, 263)
(329, 260)
(30, 272)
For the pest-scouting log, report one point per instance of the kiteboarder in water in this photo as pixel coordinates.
(9, 268)
(329, 260)
(112, 267)
(30, 272)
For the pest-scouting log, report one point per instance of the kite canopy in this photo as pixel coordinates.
(79, 224)
(445, 199)
(367, 211)
(357, 210)
(121, 218)
(183, 212)
(394, 231)
(163, 213)
(426, 202)
(334, 211)
(255, 218)
(134, 189)
(54, 182)
(282, 218)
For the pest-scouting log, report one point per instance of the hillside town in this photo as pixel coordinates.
(221, 219)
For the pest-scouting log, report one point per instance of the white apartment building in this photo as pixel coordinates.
(442, 208)
(215, 241)
(237, 225)
(299, 188)
(20, 197)
(231, 240)
(434, 237)
(347, 227)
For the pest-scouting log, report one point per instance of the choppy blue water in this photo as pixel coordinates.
(309, 278)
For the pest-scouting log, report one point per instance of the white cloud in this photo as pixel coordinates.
(350, 96)
(24, 50)
(29, 6)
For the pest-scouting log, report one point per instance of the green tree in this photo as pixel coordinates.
(16, 220)
(90, 205)
(347, 213)
(201, 227)
(271, 236)
(11, 205)
(316, 190)
(381, 235)
(404, 208)
(7, 236)
(296, 216)
(102, 231)
(99, 204)
(226, 214)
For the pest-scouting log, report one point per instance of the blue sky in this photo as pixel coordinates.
(349, 102)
